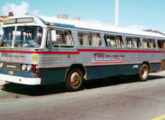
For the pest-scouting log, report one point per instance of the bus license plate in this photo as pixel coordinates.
(11, 72)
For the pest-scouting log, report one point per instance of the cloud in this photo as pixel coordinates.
(18, 10)
(35, 12)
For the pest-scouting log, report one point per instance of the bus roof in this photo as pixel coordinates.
(84, 25)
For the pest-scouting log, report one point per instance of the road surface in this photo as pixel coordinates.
(110, 99)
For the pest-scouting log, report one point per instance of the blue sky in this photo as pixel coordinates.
(139, 14)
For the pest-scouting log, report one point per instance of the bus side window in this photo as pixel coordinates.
(63, 38)
(84, 39)
(68, 38)
(136, 42)
(133, 42)
(145, 43)
(89, 39)
(60, 38)
(149, 43)
(114, 41)
(120, 42)
(129, 42)
(152, 43)
(96, 40)
(161, 44)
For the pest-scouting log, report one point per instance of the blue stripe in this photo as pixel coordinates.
(19, 73)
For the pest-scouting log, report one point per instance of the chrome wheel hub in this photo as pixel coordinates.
(75, 79)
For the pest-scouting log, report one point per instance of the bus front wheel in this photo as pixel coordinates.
(74, 80)
(144, 70)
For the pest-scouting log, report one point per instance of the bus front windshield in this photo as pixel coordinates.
(25, 36)
(28, 36)
(6, 39)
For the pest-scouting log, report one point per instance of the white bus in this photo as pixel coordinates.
(39, 51)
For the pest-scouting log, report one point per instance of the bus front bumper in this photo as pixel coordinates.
(20, 80)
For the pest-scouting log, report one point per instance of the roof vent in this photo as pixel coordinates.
(62, 16)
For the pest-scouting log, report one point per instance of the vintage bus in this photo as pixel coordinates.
(40, 51)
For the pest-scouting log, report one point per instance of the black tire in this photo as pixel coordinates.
(143, 72)
(74, 80)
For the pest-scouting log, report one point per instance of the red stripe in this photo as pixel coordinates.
(121, 51)
(82, 50)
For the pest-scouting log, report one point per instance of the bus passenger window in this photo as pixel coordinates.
(60, 38)
(133, 42)
(68, 38)
(161, 44)
(84, 39)
(129, 43)
(96, 40)
(136, 42)
(119, 41)
(63, 38)
(145, 43)
(149, 43)
(114, 41)
(89, 39)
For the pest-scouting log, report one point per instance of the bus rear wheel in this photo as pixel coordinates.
(74, 80)
(144, 70)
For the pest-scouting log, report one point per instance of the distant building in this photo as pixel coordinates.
(155, 31)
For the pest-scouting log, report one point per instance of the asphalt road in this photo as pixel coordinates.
(110, 99)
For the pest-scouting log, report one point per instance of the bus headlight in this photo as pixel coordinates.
(1, 65)
(29, 67)
(24, 67)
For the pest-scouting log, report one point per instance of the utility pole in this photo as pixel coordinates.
(116, 12)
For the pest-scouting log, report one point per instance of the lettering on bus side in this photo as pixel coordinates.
(12, 58)
(102, 58)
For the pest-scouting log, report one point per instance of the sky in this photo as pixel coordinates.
(134, 14)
